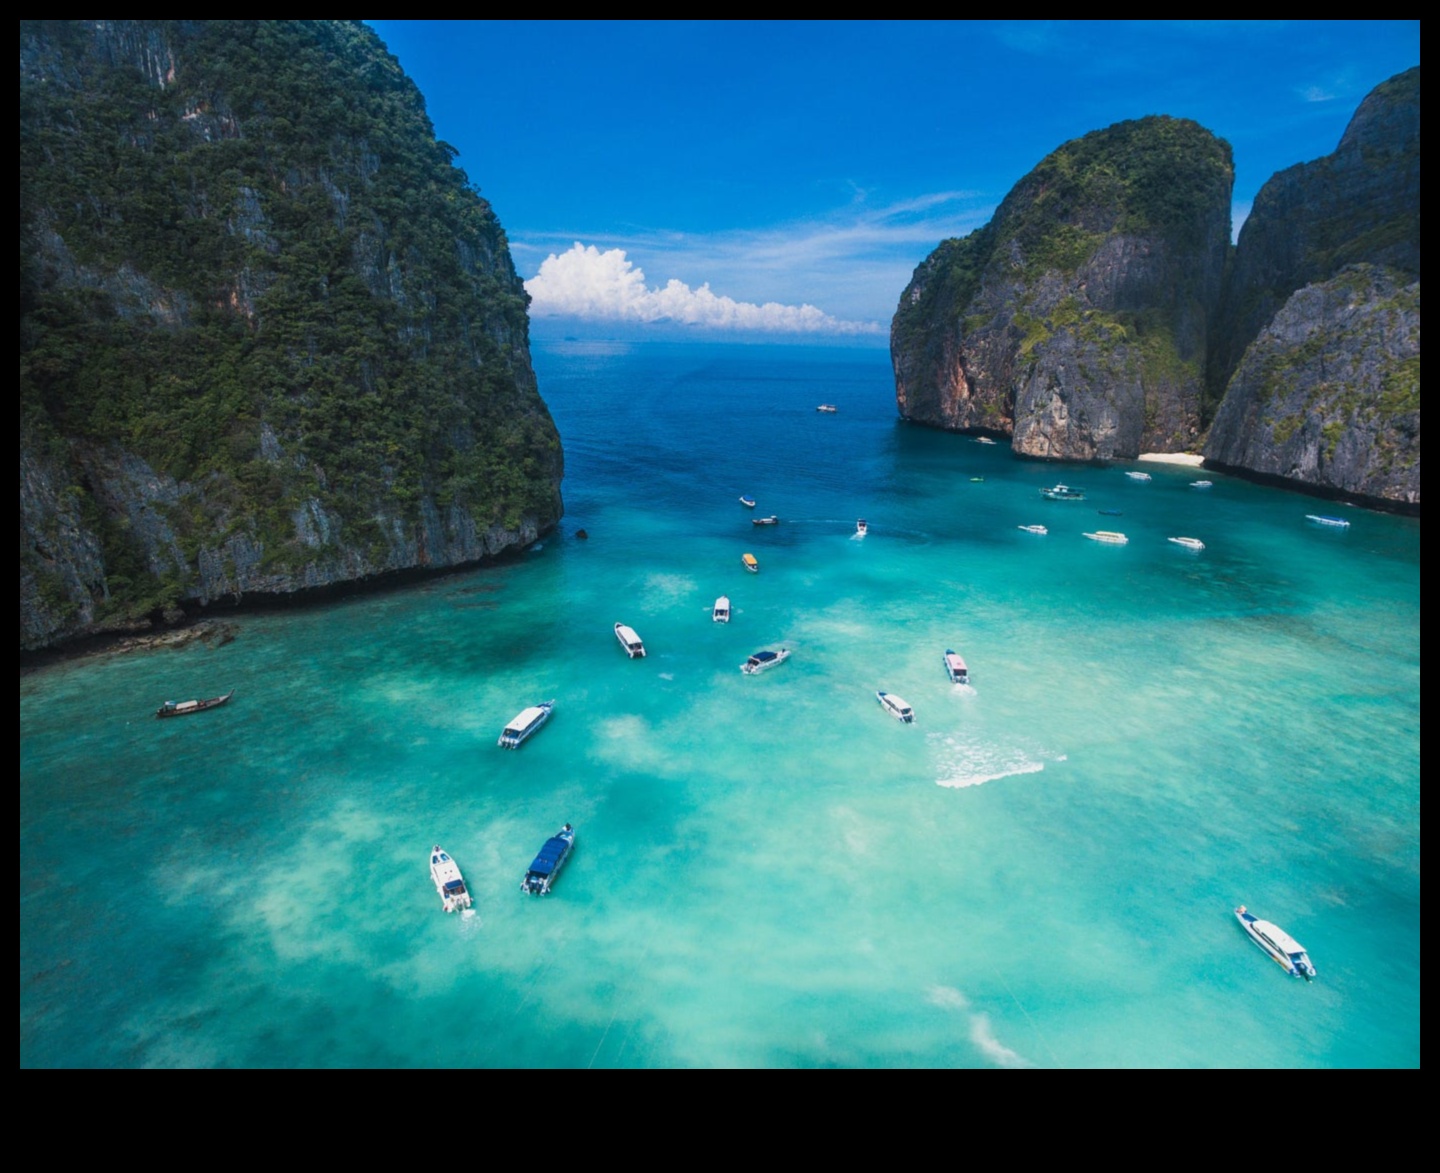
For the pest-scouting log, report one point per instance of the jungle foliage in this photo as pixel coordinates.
(241, 229)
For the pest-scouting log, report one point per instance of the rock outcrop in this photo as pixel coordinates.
(1076, 321)
(272, 339)
(1317, 348)
(1329, 394)
(1095, 317)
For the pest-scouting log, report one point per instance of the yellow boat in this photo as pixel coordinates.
(750, 563)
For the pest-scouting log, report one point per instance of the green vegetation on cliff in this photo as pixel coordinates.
(1157, 177)
(246, 259)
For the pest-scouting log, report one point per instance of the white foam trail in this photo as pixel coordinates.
(981, 1032)
(966, 762)
(667, 676)
(991, 1047)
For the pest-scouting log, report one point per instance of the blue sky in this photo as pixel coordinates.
(789, 176)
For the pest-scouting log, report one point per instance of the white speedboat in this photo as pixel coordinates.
(1034, 529)
(720, 613)
(955, 668)
(828, 408)
(1201, 484)
(983, 440)
(862, 528)
(630, 641)
(1189, 543)
(1062, 493)
(1324, 519)
(1138, 476)
(524, 723)
(1279, 946)
(897, 708)
(771, 520)
(448, 880)
(1108, 536)
(763, 660)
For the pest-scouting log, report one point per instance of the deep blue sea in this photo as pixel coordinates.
(1040, 871)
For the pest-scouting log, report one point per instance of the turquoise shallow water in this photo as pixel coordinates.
(769, 871)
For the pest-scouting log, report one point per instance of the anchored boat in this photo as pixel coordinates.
(1279, 946)
(548, 862)
(630, 641)
(448, 880)
(525, 722)
(184, 708)
(760, 661)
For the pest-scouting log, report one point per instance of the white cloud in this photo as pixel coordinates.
(607, 286)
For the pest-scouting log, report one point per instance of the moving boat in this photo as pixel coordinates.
(1280, 946)
(762, 660)
(1062, 493)
(547, 864)
(750, 563)
(748, 502)
(629, 640)
(771, 520)
(827, 407)
(721, 611)
(1201, 484)
(861, 528)
(1138, 476)
(1322, 519)
(448, 880)
(983, 440)
(524, 723)
(897, 708)
(1189, 543)
(1109, 537)
(185, 708)
(1033, 529)
(955, 668)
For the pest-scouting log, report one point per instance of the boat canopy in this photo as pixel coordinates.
(550, 856)
(525, 719)
(762, 657)
(1278, 937)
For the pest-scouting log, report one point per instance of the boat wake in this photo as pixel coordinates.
(962, 762)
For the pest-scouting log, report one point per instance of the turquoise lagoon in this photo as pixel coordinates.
(769, 871)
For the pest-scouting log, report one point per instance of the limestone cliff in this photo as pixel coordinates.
(1076, 321)
(1317, 349)
(1358, 205)
(1329, 394)
(271, 337)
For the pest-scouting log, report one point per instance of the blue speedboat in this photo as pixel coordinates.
(547, 864)
(748, 502)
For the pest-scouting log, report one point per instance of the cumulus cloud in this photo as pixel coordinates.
(587, 283)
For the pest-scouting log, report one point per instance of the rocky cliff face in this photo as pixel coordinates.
(1076, 321)
(1089, 319)
(271, 338)
(1317, 348)
(1329, 393)
(1358, 205)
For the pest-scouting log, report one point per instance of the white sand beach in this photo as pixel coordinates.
(1172, 458)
